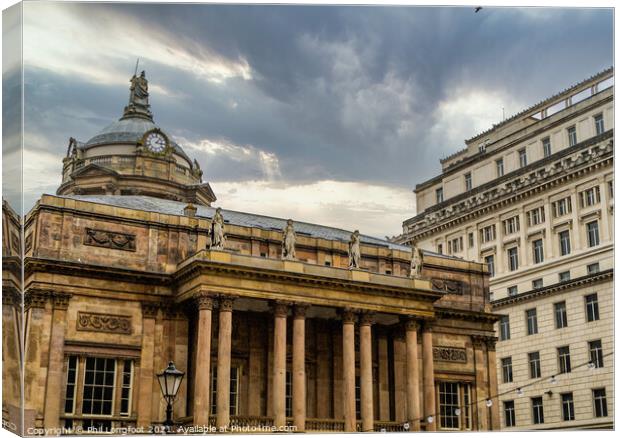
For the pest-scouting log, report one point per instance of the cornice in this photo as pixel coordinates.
(505, 191)
(554, 288)
(469, 315)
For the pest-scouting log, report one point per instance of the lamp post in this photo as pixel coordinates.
(170, 381)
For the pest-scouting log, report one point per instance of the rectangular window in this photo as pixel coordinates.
(593, 268)
(592, 232)
(536, 216)
(448, 405)
(538, 416)
(513, 259)
(564, 359)
(564, 276)
(126, 385)
(610, 187)
(470, 237)
(537, 248)
(534, 362)
(468, 183)
(99, 378)
(546, 145)
(499, 165)
(532, 321)
(511, 225)
(561, 319)
(562, 207)
(439, 195)
(599, 124)
(522, 158)
(564, 237)
(600, 402)
(504, 328)
(487, 234)
(507, 369)
(234, 390)
(596, 353)
(572, 135)
(72, 370)
(592, 307)
(490, 262)
(537, 284)
(455, 245)
(512, 291)
(440, 248)
(590, 197)
(509, 413)
(568, 407)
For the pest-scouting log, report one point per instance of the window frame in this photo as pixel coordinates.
(538, 410)
(595, 353)
(507, 374)
(572, 135)
(546, 145)
(509, 413)
(499, 167)
(594, 305)
(564, 364)
(531, 319)
(599, 129)
(564, 242)
(522, 157)
(568, 406)
(592, 234)
(534, 364)
(603, 406)
(504, 328)
(468, 182)
(538, 252)
(513, 258)
(560, 314)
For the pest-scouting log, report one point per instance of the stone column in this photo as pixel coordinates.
(280, 311)
(413, 374)
(429, 377)
(481, 381)
(147, 371)
(299, 368)
(202, 367)
(492, 367)
(223, 363)
(348, 370)
(51, 418)
(366, 387)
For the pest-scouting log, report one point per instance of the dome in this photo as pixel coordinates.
(129, 130)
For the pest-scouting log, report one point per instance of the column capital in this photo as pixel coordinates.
(410, 323)
(478, 340)
(490, 341)
(203, 301)
(299, 310)
(349, 315)
(149, 309)
(427, 327)
(226, 303)
(60, 300)
(367, 318)
(280, 308)
(36, 298)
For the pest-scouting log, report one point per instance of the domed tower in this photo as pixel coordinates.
(133, 156)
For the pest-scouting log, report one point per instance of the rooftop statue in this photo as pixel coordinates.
(354, 250)
(217, 231)
(138, 98)
(288, 241)
(416, 263)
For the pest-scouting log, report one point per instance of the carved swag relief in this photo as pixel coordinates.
(110, 239)
(450, 354)
(99, 322)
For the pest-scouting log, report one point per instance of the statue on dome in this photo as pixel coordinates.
(217, 231)
(72, 149)
(288, 241)
(354, 250)
(139, 90)
(416, 263)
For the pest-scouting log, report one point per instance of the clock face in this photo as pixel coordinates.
(156, 142)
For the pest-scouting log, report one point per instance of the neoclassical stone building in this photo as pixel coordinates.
(533, 199)
(120, 278)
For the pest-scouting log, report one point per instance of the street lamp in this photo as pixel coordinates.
(170, 381)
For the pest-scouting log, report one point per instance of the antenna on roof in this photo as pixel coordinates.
(503, 114)
(136, 70)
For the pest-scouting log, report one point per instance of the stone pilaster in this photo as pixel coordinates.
(202, 367)
(492, 367)
(224, 342)
(366, 387)
(429, 377)
(145, 389)
(348, 369)
(51, 416)
(299, 368)
(481, 381)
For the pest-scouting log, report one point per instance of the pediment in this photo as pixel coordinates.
(93, 170)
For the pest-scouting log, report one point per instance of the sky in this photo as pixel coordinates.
(322, 114)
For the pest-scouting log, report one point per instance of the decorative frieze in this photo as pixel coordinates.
(110, 239)
(454, 287)
(450, 354)
(100, 322)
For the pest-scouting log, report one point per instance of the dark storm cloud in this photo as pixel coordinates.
(344, 93)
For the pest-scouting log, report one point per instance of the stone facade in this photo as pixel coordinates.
(533, 199)
(119, 283)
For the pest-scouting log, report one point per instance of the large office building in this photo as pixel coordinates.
(273, 322)
(533, 199)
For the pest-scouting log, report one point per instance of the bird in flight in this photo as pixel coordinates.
(478, 8)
